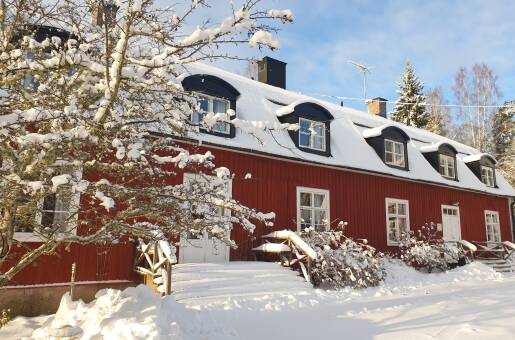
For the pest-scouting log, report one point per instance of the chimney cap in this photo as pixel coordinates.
(267, 58)
(379, 99)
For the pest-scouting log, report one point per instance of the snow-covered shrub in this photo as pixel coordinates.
(427, 251)
(5, 317)
(342, 261)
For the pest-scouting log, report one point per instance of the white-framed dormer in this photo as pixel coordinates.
(397, 219)
(313, 208)
(488, 175)
(216, 105)
(394, 153)
(312, 134)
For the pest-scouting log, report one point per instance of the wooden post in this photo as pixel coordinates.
(72, 282)
(168, 282)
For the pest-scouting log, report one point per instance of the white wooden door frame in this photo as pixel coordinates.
(458, 217)
(204, 245)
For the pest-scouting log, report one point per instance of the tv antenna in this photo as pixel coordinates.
(363, 69)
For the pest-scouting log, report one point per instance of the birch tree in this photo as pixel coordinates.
(503, 139)
(476, 92)
(93, 114)
(439, 118)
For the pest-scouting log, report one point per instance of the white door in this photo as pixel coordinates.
(451, 223)
(197, 248)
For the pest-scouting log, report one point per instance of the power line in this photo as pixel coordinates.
(407, 103)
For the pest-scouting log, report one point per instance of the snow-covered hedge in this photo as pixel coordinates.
(426, 250)
(342, 261)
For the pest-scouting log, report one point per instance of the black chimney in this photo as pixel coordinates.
(272, 72)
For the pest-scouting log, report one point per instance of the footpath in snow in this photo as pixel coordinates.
(254, 300)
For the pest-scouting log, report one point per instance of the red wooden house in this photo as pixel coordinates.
(342, 164)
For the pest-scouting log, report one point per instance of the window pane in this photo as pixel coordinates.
(398, 148)
(319, 129)
(303, 139)
(219, 106)
(388, 157)
(306, 217)
(318, 142)
(49, 202)
(392, 208)
(203, 104)
(403, 225)
(319, 200)
(392, 229)
(388, 146)
(401, 209)
(305, 199)
(221, 127)
(304, 126)
(320, 217)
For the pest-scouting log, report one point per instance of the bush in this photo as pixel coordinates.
(427, 251)
(342, 261)
(5, 317)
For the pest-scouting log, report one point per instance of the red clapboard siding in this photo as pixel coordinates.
(357, 198)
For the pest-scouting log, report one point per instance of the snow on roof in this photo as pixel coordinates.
(377, 131)
(349, 149)
(477, 157)
(434, 147)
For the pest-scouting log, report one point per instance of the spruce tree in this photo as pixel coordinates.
(410, 108)
(503, 140)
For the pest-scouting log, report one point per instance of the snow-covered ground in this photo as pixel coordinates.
(253, 300)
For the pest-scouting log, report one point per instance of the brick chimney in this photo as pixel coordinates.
(103, 11)
(272, 72)
(377, 106)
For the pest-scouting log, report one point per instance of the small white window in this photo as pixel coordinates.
(312, 134)
(493, 229)
(447, 167)
(57, 212)
(215, 105)
(394, 153)
(487, 176)
(397, 219)
(312, 209)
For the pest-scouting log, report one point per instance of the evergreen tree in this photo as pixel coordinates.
(503, 140)
(410, 108)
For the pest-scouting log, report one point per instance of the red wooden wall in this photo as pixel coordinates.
(357, 198)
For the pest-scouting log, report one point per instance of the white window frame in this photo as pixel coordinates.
(215, 127)
(388, 215)
(72, 223)
(327, 208)
(312, 136)
(32, 237)
(394, 154)
(446, 163)
(489, 177)
(497, 226)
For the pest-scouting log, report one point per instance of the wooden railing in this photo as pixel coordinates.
(494, 250)
(154, 261)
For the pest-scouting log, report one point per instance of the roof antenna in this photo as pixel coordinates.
(363, 69)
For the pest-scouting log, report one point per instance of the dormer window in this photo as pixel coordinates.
(311, 134)
(394, 153)
(215, 105)
(483, 166)
(447, 166)
(214, 95)
(314, 133)
(487, 176)
(391, 145)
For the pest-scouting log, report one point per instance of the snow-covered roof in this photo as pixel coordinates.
(477, 157)
(433, 147)
(263, 102)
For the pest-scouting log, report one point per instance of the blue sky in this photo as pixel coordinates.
(436, 36)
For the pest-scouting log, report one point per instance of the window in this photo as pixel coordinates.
(447, 167)
(397, 219)
(54, 212)
(312, 134)
(215, 105)
(493, 230)
(312, 209)
(487, 176)
(394, 153)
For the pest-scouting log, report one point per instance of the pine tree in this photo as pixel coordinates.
(503, 139)
(410, 108)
